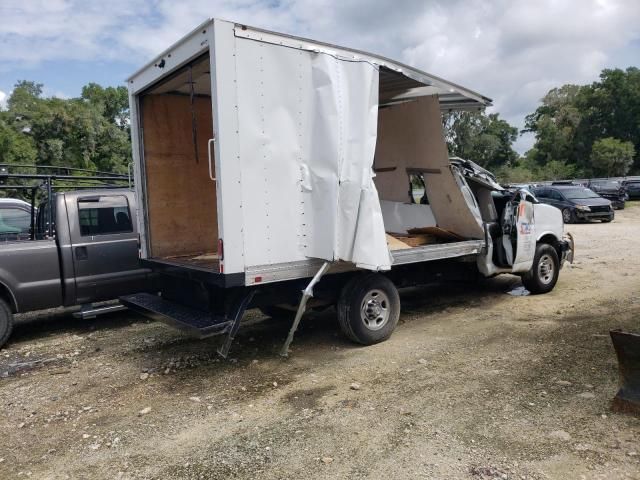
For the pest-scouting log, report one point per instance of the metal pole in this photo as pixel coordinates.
(50, 208)
(33, 212)
(306, 294)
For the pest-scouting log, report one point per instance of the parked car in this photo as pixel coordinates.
(576, 203)
(83, 250)
(15, 219)
(612, 190)
(633, 188)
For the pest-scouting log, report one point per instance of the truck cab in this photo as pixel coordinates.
(83, 248)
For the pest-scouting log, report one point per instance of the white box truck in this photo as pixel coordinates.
(268, 164)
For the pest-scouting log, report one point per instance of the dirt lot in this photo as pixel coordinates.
(474, 384)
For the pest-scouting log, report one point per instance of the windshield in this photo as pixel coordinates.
(575, 193)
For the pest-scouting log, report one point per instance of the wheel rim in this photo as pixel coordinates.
(546, 269)
(374, 310)
(566, 215)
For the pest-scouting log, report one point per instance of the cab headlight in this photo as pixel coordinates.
(583, 208)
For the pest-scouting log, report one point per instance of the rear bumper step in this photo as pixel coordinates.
(195, 322)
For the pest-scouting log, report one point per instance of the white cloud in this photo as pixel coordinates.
(510, 50)
(3, 100)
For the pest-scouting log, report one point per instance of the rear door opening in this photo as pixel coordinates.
(177, 125)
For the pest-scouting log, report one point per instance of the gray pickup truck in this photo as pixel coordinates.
(81, 247)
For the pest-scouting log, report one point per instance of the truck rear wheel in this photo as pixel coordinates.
(368, 308)
(543, 275)
(6, 322)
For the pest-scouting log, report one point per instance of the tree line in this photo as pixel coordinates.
(90, 132)
(580, 131)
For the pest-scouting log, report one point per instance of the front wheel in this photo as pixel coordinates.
(6, 322)
(543, 275)
(567, 215)
(368, 308)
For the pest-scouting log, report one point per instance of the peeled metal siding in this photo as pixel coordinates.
(307, 131)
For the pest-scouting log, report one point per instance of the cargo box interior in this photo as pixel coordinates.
(420, 200)
(176, 121)
(417, 189)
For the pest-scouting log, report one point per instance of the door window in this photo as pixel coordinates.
(555, 195)
(104, 215)
(542, 193)
(14, 221)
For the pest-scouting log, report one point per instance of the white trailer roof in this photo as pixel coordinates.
(398, 82)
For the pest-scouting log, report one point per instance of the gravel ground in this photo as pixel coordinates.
(473, 384)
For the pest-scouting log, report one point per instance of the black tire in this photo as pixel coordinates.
(368, 308)
(568, 216)
(279, 314)
(544, 272)
(6, 322)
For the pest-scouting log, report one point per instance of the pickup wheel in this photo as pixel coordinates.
(545, 270)
(6, 322)
(368, 308)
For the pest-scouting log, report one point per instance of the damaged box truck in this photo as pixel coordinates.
(268, 165)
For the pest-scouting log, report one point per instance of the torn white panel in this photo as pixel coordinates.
(307, 137)
(343, 201)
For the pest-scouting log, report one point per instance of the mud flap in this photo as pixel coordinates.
(627, 346)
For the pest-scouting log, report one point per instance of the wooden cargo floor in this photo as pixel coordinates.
(207, 261)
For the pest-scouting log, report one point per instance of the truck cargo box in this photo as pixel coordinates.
(262, 155)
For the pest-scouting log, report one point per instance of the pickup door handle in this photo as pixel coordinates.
(82, 253)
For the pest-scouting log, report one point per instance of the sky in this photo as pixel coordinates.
(513, 51)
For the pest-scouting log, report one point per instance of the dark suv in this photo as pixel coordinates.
(633, 188)
(576, 202)
(611, 190)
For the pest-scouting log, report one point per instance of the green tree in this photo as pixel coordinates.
(611, 157)
(15, 147)
(554, 124)
(113, 102)
(88, 132)
(484, 139)
(572, 118)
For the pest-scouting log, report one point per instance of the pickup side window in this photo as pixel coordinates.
(104, 215)
(14, 221)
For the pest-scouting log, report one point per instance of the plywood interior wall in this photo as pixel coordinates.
(181, 197)
(409, 136)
